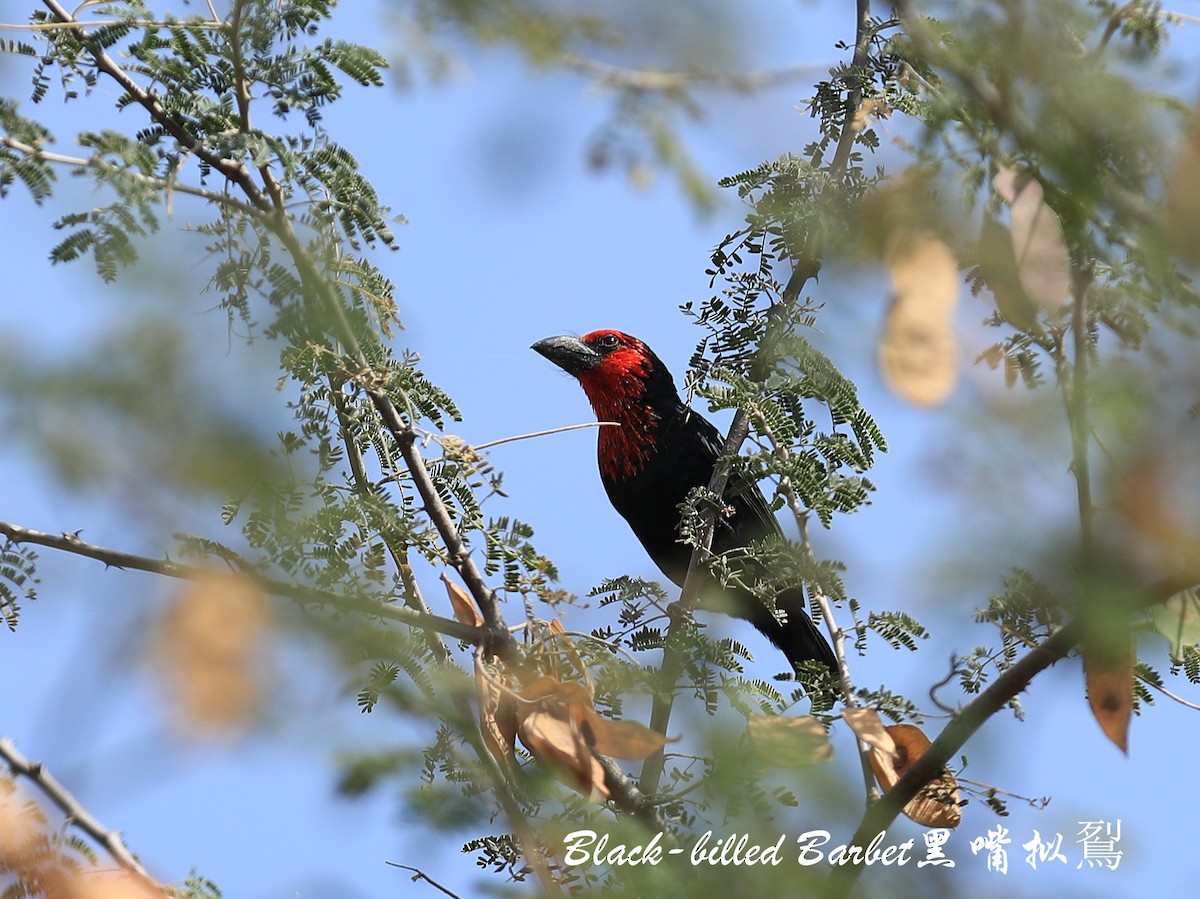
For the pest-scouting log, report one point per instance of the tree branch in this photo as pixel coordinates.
(231, 170)
(363, 487)
(806, 268)
(76, 814)
(672, 661)
(954, 735)
(858, 67)
(116, 559)
(169, 186)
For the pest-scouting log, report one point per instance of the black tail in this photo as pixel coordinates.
(798, 637)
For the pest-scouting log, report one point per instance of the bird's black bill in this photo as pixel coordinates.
(570, 354)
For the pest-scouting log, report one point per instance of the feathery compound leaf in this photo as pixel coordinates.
(18, 581)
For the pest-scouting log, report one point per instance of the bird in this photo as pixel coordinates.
(657, 453)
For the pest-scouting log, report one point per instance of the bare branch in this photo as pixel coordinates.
(418, 874)
(77, 815)
(545, 433)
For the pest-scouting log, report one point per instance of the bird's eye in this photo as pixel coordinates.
(608, 341)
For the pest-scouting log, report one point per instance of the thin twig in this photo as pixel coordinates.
(77, 815)
(193, 25)
(418, 874)
(1167, 693)
(363, 487)
(987, 789)
(587, 424)
(101, 165)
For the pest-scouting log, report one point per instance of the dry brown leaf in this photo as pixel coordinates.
(862, 114)
(1043, 263)
(1181, 211)
(1108, 665)
(918, 355)
(868, 727)
(210, 647)
(465, 610)
(937, 804)
(789, 742)
(560, 726)
(623, 739)
(998, 269)
(497, 715)
(557, 743)
(549, 727)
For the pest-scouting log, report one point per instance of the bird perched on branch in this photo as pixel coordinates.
(658, 454)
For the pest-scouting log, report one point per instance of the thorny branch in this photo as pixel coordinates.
(71, 543)
(76, 814)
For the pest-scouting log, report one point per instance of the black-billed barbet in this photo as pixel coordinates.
(657, 454)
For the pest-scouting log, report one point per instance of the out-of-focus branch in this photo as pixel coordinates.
(76, 814)
(666, 81)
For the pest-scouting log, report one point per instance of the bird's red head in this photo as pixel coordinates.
(625, 383)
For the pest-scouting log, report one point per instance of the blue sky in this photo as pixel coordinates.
(512, 238)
